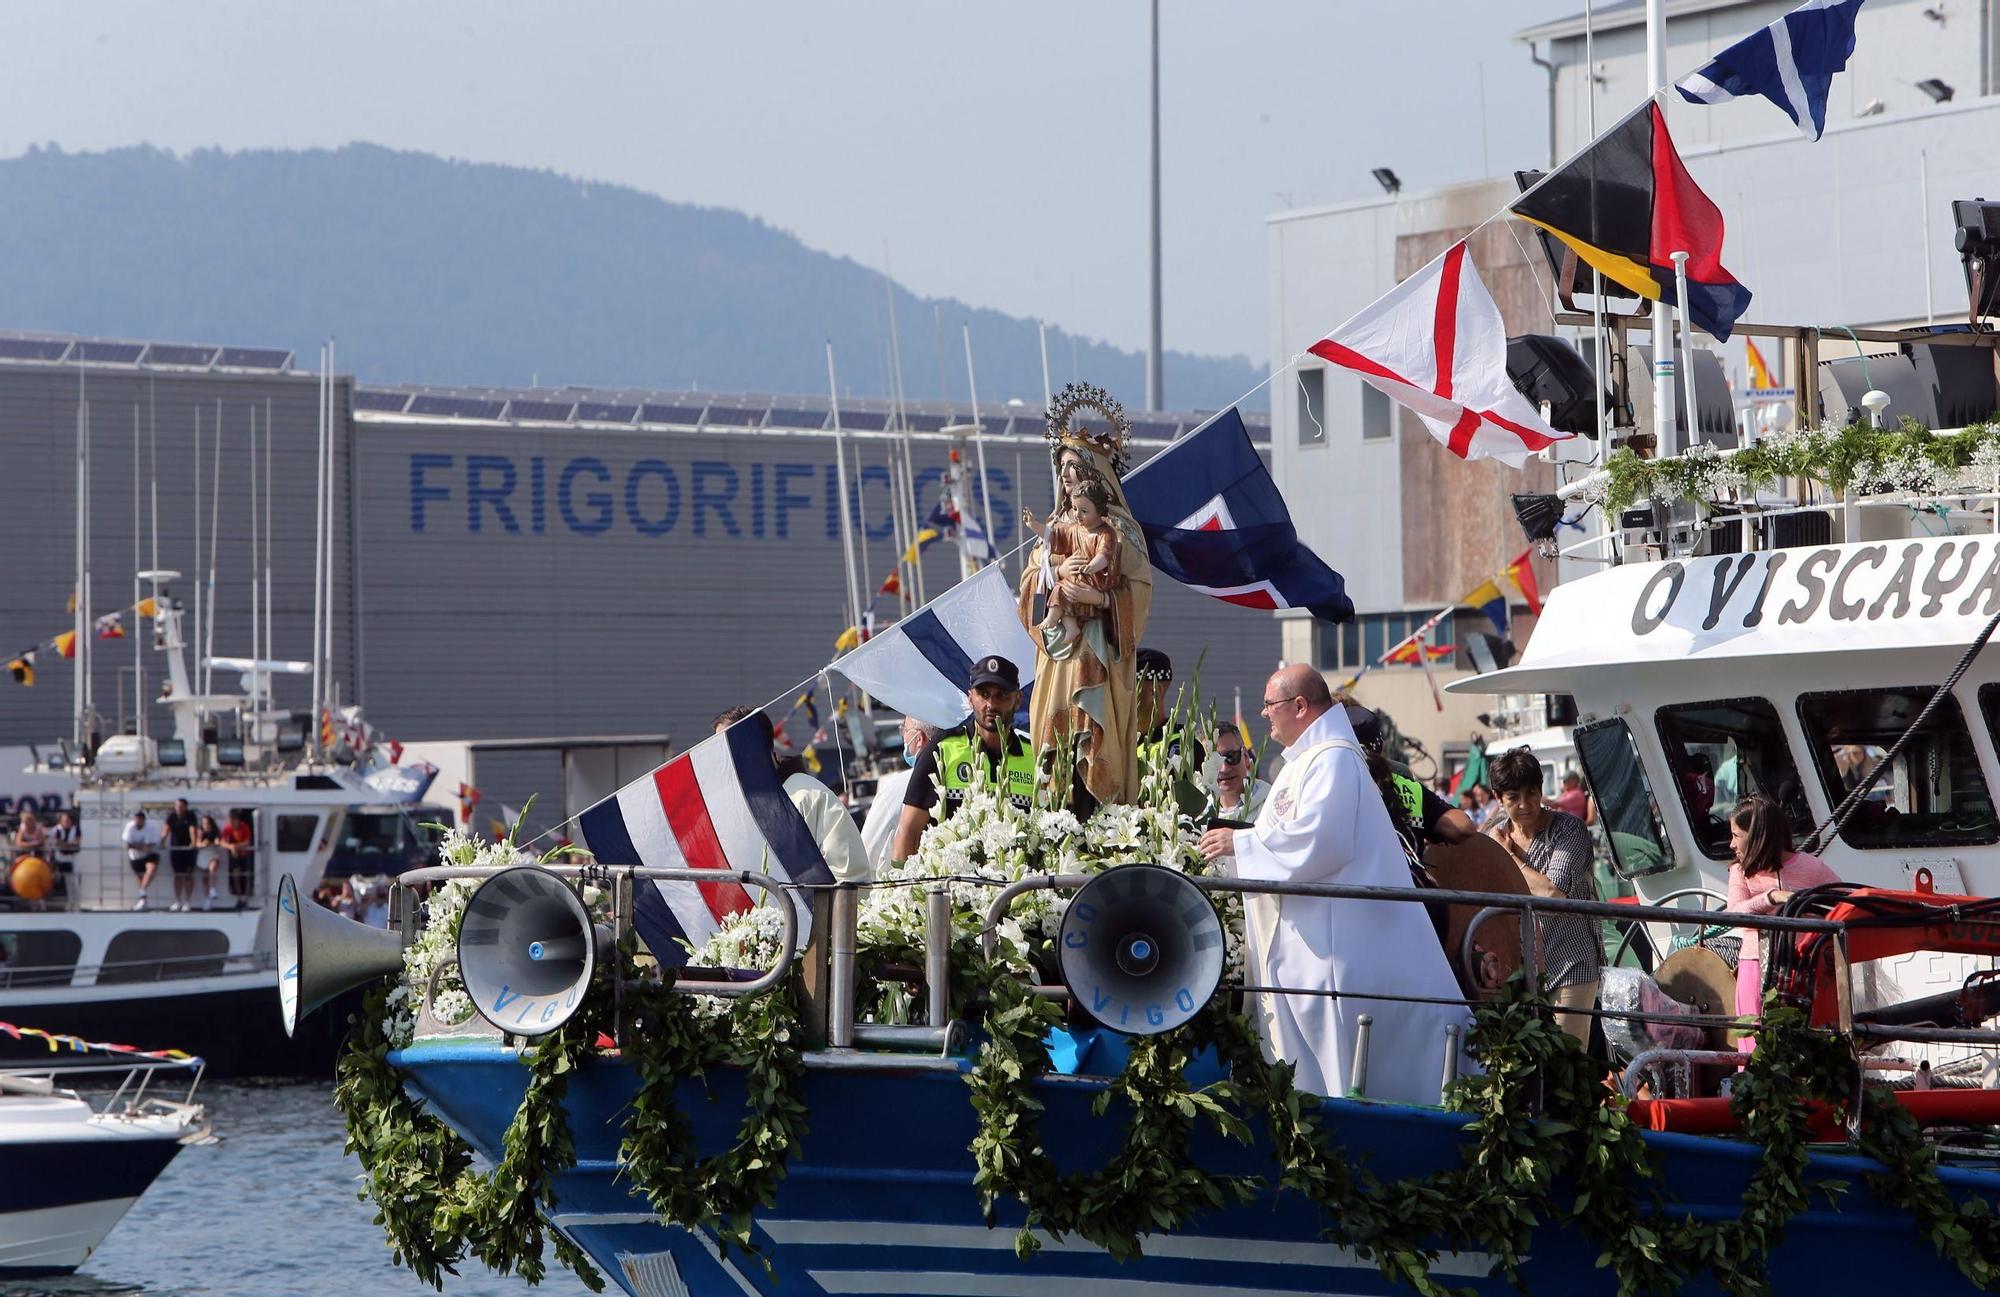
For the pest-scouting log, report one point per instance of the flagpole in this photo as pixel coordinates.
(1663, 338)
(1687, 346)
(846, 501)
(1603, 447)
(1048, 399)
(81, 673)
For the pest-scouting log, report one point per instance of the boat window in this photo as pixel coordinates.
(295, 832)
(1625, 805)
(1723, 751)
(38, 957)
(163, 954)
(1934, 794)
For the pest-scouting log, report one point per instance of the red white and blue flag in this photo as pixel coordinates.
(1214, 520)
(719, 805)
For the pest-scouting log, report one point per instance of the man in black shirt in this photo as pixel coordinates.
(988, 739)
(180, 826)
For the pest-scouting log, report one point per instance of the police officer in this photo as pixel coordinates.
(987, 746)
(1156, 688)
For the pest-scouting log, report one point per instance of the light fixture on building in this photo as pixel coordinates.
(1936, 15)
(1390, 184)
(1873, 108)
(1936, 89)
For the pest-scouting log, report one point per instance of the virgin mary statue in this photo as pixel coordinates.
(1085, 683)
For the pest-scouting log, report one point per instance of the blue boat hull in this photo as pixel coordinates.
(879, 1199)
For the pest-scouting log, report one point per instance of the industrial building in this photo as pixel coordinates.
(531, 564)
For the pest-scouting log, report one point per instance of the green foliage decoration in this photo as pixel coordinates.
(1854, 458)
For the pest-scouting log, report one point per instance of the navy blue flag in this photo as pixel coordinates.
(1214, 520)
(1791, 63)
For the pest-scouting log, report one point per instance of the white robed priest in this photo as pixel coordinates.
(1324, 823)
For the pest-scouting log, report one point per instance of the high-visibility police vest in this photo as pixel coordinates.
(1411, 794)
(1156, 752)
(956, 755)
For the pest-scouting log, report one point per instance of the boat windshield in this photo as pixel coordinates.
(1934, 794)
(1724, 751)
(1625, 803)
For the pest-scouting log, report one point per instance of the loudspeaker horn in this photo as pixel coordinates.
(1141, 949)
(527, 950)
(321, 954)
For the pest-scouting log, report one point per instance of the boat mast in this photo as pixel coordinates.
(846, 502)
(80, 597)
(138, 564)
(979, 442)
(206, 632)
(319, 564)
(270, 642)
(194, 569)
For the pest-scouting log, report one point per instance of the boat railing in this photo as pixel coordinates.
(125, 972)
(133, 1096)
(100, 877)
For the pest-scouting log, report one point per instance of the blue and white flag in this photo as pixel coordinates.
(1214, 520)
(922, 665)
(1791, 63)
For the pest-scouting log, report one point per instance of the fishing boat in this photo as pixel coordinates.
(77, 1162)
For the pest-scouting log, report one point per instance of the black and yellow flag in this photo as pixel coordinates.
(1626, 205)
(22, 668)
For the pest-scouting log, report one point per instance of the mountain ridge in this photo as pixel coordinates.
(432, 270)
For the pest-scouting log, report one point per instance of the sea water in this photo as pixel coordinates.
(269, 1209)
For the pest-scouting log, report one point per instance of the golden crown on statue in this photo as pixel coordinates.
(1113, 442)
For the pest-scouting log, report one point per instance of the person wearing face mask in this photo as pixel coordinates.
(878, 831)
(986, 747)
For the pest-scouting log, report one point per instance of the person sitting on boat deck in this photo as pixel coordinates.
(1557, 845)
(1763, 876)
(1156, 692)
(179, 827)
(31, 837)
(885, 814)
(1235, 791)
(142, 852)
(1324, 822)
(988, 739)
(1425, 817)
(826, 818)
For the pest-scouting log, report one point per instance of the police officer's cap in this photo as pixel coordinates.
(995, 671)
(1154, 665)
(1367, 725)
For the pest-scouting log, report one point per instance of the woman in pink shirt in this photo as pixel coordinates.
(1763, 877)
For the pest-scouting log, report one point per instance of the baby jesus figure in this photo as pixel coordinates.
(1082, 548)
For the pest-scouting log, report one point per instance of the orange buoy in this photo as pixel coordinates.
(31, 879)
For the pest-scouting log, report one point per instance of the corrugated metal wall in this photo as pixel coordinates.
(38, 417)
(571, 581)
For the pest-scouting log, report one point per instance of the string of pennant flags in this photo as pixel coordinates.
(57, 1042)
(1490, 597)
(110, 625)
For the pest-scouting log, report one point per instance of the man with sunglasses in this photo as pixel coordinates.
(1324, 822)
(1237, 794)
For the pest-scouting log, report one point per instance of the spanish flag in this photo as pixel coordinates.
(1626, 204)
(1522, 574)
(1760, 373)
(1408, 654)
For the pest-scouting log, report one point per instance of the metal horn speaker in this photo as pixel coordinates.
(527, 950)
(321, 954)
(1141, 949)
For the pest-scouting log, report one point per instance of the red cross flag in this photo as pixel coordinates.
(1435, 343)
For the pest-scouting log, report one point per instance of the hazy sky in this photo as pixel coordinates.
(998, 150)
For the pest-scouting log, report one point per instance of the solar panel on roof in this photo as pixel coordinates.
(33, 348)
(455, 407)
(384, 402)
(169, 353)
(605, 412)
(734, 416)
(652, 413)
(798, 418)
(928, 422)
(866, 420)
(254, 358)
(110, 353)
(553, 411)
(1154, 430)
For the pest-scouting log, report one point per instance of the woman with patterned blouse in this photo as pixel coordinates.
(1557, 845)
